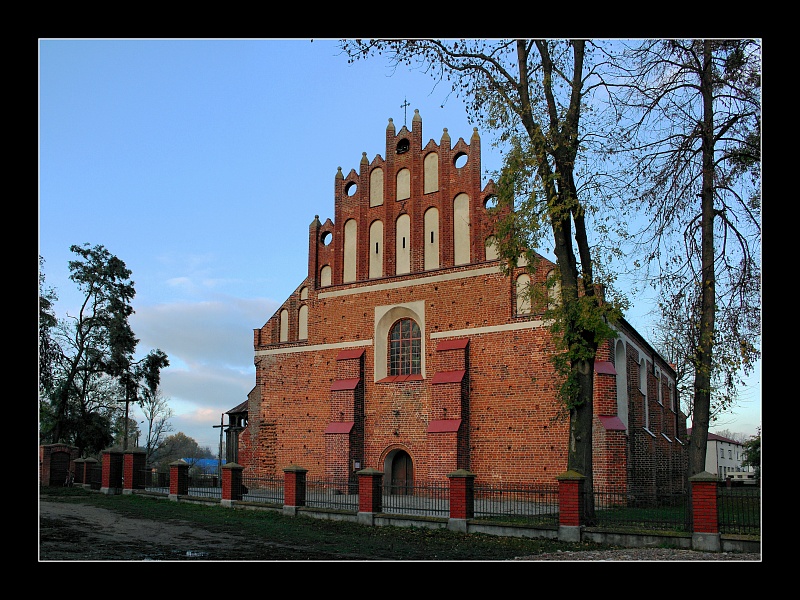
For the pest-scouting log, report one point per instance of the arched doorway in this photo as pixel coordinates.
(401, 474)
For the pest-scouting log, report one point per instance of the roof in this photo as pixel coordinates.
(713, 437)
(238, 409)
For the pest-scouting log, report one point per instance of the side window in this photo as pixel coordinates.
(431, 171)
(403, 184)
(523, 294)
(405, 346)
(284, 325)
(431, 253)
(325, 276)
(302, 322)
(376, 249)
(376, 187)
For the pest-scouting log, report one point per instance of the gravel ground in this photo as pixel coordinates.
(645, 554)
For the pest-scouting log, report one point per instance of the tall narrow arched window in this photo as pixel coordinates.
(405, 348)
(524, 294)
(431, 254)
(302, 322)
(350, 239)
(284, 325)
(376, 249)
(643, 388)
(402, 245)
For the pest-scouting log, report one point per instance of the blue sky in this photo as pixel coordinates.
(200, 164)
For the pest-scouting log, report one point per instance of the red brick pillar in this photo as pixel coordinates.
(370, 497)
(570, 506)
(232, 488)
(133, 470)
(111, 478)
(294, 488)
(178, 479)
(705, 517)
(462, 499)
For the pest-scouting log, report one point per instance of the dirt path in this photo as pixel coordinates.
(69, 531)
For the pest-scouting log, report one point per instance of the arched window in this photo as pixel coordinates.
(302, 322)
(405, 348)
(524, 294)
(643, 388)
(284, 325)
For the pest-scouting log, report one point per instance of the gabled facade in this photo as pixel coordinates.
(406, 349)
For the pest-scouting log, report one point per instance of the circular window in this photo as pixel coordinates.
(351, 189)
(490, 202)
(327, 238)
(460, 160)
(403, 146)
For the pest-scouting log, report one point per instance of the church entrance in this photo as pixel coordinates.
(402, 474)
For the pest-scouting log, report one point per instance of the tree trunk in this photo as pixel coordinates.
(703, 359)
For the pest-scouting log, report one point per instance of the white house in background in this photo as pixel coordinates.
(723, 456)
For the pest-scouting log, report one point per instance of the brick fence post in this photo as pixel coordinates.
(370, 495)
(570, 506)
(705, 517)
(133, 470)
(462, 499)
(294, 488)
(178, 479)
(112, 473)
(232, 489)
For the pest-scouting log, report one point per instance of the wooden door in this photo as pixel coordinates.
(402, 474)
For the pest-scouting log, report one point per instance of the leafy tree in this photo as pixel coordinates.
(88, 368)
(48, 350)
(693, 142)
(179, 446)
(752, 452)
(534, 94)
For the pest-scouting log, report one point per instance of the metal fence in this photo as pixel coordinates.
(268, 490)
(620, 510)
(420, 500)
(338, 493)
(524, 504)
(739, 510)
(739, 507)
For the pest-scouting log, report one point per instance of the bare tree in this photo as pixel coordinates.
(693, 141)
(157, 415)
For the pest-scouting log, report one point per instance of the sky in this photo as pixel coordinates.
(200, 164)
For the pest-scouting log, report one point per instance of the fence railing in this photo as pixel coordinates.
(268, 490)
(739, 508)
(336, 493)
(420, 500)
(519, 504)
(664, 512)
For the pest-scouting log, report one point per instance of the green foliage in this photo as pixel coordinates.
(87, 366)
(752, 453)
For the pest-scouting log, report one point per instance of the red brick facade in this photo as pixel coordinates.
(484, 400)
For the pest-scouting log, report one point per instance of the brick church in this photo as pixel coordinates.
(405, 348)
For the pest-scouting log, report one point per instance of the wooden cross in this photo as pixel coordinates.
(405, 106)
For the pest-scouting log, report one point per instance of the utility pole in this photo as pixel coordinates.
(219, 456)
